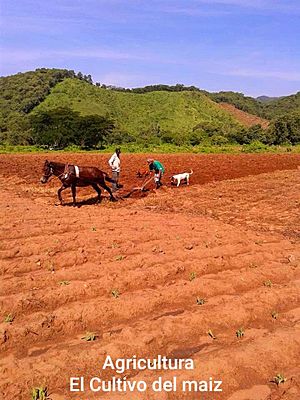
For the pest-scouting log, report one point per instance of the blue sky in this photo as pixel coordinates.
(247, 46)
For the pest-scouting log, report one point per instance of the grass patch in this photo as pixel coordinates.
(192, 276)
(240, 333)
(115, 293)
(64, 283)
(40, 393)
(9, 318)
(159, 149)
(279, 379)
(90, 336)
(268, 283)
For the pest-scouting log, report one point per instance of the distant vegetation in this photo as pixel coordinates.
(153, 117)
(240, 101)
(265, 107)
(282, 106)
(154, 88)
(58, 108)
(266, 99)
(61, 127)
(21, 93)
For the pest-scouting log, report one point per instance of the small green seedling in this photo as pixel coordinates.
(210, 333)
(274, 314)
(279, 378)
(119, 258)
(268, 283)
(9, 318)
(40, 393)
(93, 229)
(200, 301)
(240, 333)
(89, 336)
(114, 245)
(192, 276)
(115, 293)
(64, 283)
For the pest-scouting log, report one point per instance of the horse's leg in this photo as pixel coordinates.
(63, 187)
(98, 190)
(107, 188)
(73, 187)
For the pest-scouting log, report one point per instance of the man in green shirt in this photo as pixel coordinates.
(158, 169)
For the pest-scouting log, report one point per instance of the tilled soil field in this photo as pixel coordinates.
(132, 272)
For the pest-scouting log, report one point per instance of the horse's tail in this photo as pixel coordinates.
(107, 178)
(191, 172)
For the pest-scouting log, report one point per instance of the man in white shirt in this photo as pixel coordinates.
(115, 165)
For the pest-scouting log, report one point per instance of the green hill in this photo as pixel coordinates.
(36, 103)
(240, 101)
(20, 93)
(177, 113)
(283, 105)
(265, 107)
(23, 91)
(266, 99)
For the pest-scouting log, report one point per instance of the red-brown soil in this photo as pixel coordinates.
(244, 117)
(235, 227)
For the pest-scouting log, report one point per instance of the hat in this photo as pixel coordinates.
(150, 160)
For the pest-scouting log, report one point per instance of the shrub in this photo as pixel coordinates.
(254, 147)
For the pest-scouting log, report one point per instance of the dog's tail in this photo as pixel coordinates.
(191, 172)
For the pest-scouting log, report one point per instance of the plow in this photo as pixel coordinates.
(141, 188)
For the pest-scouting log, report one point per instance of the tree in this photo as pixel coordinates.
(197, 137)
(167, 137)
(55, 127)
(21, 93)
(93, 130)
(89, 79)
(286, 129)
(256, 133)
(118, 137)
(18, 129)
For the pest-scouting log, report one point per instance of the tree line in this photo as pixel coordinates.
(61, 127)
(21, 123)
(152, 88)
(269, 110)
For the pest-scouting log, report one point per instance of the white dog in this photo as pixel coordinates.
(176, 179)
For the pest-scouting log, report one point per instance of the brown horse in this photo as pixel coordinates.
(73, 176)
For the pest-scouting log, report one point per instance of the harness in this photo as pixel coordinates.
(68, 172)
(76, 171)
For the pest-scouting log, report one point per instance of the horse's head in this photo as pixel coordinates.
(48, 172)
